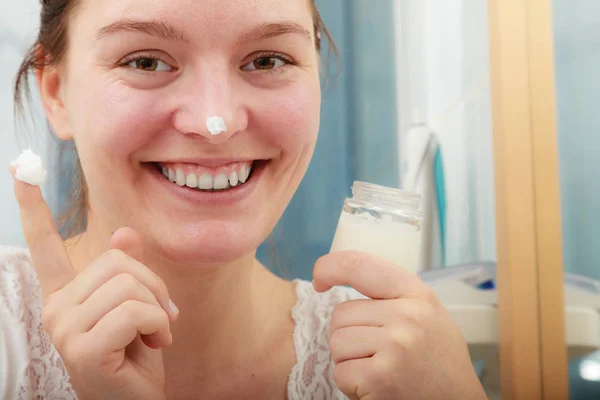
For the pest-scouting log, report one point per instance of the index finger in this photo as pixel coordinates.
(373, 276)
(48, 253)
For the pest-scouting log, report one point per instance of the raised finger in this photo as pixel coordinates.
(49, 255)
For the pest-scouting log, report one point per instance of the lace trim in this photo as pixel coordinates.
(45, 376)
(312, 376)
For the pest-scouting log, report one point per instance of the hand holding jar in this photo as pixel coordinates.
(400, 342)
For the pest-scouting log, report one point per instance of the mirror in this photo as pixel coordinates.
(577, 61)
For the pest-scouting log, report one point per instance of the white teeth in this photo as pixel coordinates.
(221, 182)
(244, 173)
(191, 181)
(233, 179)
(205, 182)
(180, 177)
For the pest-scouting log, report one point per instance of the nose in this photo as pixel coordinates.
(205, 101)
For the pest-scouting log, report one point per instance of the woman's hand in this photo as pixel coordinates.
(399, 344)
(108, 322)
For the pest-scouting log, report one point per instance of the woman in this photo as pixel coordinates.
(175, 212)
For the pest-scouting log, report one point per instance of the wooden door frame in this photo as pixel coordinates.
(533, 356)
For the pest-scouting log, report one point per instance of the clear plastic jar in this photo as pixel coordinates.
(383, 221)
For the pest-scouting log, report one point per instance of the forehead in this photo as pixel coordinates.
(212, 19)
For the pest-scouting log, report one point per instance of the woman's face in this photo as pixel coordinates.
(138, 83)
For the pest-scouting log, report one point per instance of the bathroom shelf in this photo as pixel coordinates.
(475, 310)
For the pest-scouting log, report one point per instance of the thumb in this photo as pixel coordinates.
(129, 242)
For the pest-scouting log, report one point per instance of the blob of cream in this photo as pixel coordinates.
(216, 125)
(29, 168)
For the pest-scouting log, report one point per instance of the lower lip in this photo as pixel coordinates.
(227, 197)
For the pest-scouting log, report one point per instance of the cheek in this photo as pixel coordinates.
(117, 119)
(290, 120)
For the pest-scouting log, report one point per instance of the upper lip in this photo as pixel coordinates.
(207, 162)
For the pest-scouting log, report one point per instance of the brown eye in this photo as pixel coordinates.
(146, 64)
(266, 63)
(149, 64)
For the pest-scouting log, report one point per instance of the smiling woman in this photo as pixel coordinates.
(175, 213)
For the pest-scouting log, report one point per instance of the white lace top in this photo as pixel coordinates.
(30, 367)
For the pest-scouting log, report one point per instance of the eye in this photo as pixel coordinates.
(148, 64)
(267, 62)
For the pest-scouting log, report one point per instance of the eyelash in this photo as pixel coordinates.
(286, 60)
(147, 56)
(142, 56)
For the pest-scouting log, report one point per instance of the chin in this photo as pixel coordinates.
(209, 247)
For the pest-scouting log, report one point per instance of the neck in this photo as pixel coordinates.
(225, 310)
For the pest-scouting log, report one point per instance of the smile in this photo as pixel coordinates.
(207, 179)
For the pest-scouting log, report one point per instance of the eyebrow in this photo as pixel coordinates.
(270, 30)
(152, 27)
(170, 33)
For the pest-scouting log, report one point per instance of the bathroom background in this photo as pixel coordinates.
(405, 63)
(367, 111)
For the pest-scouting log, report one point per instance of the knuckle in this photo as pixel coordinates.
(129, 288)
(353, 261)
(128, 284)
(60, 335)
(382, 375)
(341, 374)
(115, 258)
(414, 318)
(71, 353)
(78, 356)
(418, 315)
(49, 317)
(128, 309)
(335, 338)
(52, 299)
(399, 344)
(353, 381)
(337, 316)
(406, 341)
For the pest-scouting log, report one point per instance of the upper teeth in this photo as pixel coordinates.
(206, 181)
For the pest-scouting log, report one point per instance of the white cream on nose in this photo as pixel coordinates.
(29, 168)
(216, 125)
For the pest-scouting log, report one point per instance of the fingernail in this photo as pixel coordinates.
(173, 308)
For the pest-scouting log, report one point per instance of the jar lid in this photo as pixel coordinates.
(386, 196)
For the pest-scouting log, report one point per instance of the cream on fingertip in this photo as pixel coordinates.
(29, 168)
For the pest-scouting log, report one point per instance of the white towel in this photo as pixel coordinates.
(421, 148)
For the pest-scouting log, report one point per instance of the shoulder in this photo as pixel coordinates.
(35, 368)
(312, 376)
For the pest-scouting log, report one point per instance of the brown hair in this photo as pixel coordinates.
(49, 49)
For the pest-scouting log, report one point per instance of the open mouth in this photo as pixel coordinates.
(205, 179)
